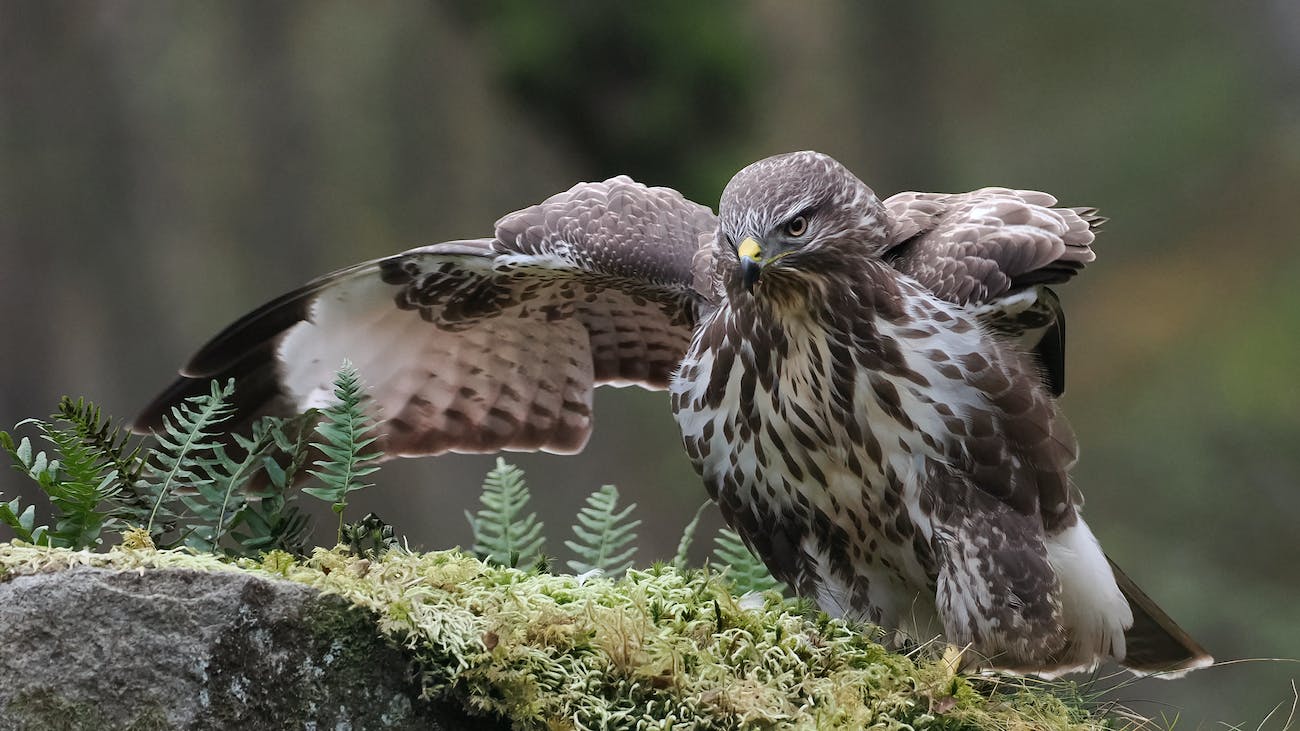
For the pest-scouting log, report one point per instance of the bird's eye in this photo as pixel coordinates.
(796, 226)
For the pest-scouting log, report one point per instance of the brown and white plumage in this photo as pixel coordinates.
(868, 394)
(994, 251)
(486, 344)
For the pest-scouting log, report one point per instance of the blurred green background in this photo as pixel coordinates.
(165, 167)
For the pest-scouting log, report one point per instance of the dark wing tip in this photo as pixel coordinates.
(1050, 353)
(245, 351)
(1155, 644)
(150, 418)
(257, 327)
(258, 390)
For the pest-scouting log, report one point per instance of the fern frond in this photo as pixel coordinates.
(186, 447)
(217, 502)
(111, 443)
(688, 537)
(603, 533)
(344, 426)
(112, 448)
(268, 520)
(22, 521)
(500, 535)
(745, 571)
(78, 481)
(83, 485)
(271, 525)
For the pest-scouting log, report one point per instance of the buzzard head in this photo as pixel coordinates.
(793, 217)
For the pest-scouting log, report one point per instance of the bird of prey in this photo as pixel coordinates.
(867, 388)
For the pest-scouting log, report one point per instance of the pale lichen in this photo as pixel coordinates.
(656, 649)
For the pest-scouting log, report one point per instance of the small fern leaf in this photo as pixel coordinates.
(216, 503)
(101, 453)
(79, 482)
(185, 447)
(112, 444)
(344, 426)
(745, 571)
(501, 536)
(267, 520)
(86, 482)
(603, 532)
(688, 537)
(30, 462)
(22, 521)
(271, 525)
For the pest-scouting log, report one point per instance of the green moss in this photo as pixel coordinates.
(48, 711)
(658, 648)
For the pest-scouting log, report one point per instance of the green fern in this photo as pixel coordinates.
(182, 461)
(113, 446)
(111, 443)
(603, 533)
(39, 468)
(688, 537)
(269, 521)
(85, 483)
(218, 501)
(22, 521)
(344, 426)
(79, 482)
(500, 535)
(745, 571)
(369, 537)
(192, 487)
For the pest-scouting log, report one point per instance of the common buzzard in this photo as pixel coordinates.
(867, 387)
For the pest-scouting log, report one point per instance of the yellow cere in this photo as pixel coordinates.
(749, 248)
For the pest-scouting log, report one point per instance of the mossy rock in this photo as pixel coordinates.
(143, 639)
(175, 648)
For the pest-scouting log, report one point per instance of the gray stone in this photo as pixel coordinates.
(96, 649)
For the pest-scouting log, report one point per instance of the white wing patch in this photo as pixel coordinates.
(363, 326)
(508, 384)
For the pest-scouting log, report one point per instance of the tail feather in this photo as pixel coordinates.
(1155, 643)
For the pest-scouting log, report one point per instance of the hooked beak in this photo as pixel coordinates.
(751, 263)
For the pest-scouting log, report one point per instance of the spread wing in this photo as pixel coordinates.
(994, 250)
(485, 344)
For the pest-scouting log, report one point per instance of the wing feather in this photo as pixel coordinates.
(994, 250)
(973, 248)
(484, 344)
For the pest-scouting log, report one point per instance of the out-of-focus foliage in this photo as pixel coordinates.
(609, 79)
(605, 535)
(741, 566)
(503, 534)
(166, 167)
